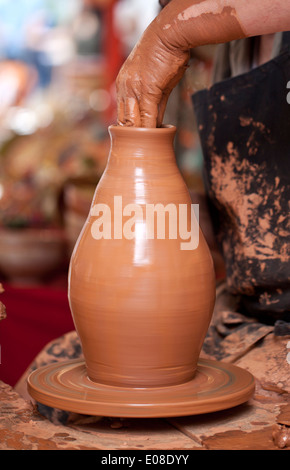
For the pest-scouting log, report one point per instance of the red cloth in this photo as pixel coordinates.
(35, 316)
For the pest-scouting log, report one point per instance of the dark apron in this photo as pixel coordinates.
(244, 127)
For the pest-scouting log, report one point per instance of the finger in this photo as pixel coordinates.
(167, 91)
(162, 108)
(148, 111)
(128, 112)
(131, 112)
(120, 112)
(127, 105)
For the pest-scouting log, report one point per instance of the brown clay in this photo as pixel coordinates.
(215, 386)
(141, 306)
(281, 436)
(145, 81)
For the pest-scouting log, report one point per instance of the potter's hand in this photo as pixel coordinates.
(147, 78)
(159, 59)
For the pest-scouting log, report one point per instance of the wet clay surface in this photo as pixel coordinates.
(215, 386)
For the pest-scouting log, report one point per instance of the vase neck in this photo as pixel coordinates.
(139, 144)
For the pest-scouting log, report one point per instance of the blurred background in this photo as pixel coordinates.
(58, 65)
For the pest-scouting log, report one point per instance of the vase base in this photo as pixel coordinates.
(215, 386)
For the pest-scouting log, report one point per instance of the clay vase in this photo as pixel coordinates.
(141, 305)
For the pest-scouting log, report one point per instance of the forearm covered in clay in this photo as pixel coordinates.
(185, 24)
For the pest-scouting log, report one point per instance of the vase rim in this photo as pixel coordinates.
(167, 128)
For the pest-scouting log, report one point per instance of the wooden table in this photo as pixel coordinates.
(256, 425)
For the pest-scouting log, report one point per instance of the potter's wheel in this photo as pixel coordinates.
(216, 386)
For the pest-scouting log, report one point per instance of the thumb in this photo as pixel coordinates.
(162, 108)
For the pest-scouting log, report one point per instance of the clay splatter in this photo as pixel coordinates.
(257, 230)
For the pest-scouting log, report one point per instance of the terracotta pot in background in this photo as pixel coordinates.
(141, 306)
(27, 256)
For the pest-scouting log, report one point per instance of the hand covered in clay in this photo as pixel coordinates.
(159, 59)
(147, 78)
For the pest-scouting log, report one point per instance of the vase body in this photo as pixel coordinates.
(141, 305)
